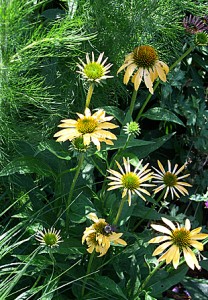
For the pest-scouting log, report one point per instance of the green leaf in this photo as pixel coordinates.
(80, 208)
(198, 288)
(147, 213)
(116, 112)
(175, 276)
(109, 285)
(120, 142)
(162, 114)
(27, 164)
(145, 150)
(55, 148)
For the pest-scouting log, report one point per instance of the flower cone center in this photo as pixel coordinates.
(86, 125)
(94, 70)
(99, 227)
(170, 179)
(181, 237)
(50, 239)
(130, 181)
(145, 57)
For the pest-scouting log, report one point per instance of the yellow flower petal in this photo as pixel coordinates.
(190, 258)
(159, 239)
(161, 248)
(161, 228)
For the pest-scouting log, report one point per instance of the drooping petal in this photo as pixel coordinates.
(190, 258)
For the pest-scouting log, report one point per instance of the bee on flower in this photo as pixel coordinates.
(100, 235)
(177, 240)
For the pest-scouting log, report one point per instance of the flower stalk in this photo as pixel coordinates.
(88, 272)
(119, 211)
(133, 100)
(150, 275)
(89, 95)
(71, 191)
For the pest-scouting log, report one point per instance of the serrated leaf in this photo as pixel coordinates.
(162, 114)
(27, 164)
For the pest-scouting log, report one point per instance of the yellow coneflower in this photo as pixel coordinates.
(100, 236)
(170, 181)
(130, 182)
(49, 238)
(92, 128)
(144, 59)
(94, 71)
(178, 240)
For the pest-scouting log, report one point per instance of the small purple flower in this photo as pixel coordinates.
(206, 204)
(193, 24)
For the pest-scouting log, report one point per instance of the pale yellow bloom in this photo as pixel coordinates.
(92, 128)
(144, 60)
(130, 182)
(94, 71)
(170, 181)
(178, 240)
(99, 237)
(49, 238)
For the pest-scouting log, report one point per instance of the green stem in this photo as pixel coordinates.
(150, 275)
(149, 212)
(79, 166)
(89, 95)
(119, 210)
(191, 48)
(133, 99)
(88, 271)
(146, 102)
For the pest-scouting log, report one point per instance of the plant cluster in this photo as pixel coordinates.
(113, 203)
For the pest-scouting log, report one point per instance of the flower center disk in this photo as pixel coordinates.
(50, 239)
(181, 237)
(130, 181)
(170, 179)
(145, 57)
(86, 125)
(94, 70)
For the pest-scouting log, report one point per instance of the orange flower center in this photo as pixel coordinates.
(130, 181)
(86, 125)
(170, 179)
(145, 57)
(181, 237)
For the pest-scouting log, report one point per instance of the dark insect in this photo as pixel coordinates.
(109, 228)
(178, 292)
